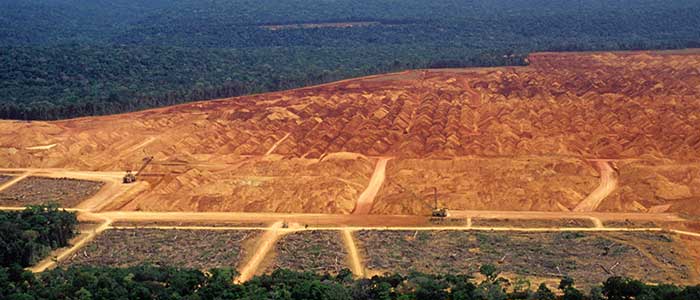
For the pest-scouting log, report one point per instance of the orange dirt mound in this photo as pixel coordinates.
(626, 105)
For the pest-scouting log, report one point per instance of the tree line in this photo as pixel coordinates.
(70, 58)
(76, 80)
(152, 282)
(29, 235)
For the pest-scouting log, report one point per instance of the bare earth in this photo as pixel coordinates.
(567, 166)
(268, 152)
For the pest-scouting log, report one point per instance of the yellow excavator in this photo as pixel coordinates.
(437, 211)
(131, 177)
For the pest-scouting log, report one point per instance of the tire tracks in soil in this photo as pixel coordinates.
(264, 245)
(608, 183)
(364, 203)
(353, 255)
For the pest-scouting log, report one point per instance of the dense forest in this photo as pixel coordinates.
(28, 236)
(149, 282)
(69, 58)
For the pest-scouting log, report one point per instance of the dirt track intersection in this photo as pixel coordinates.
(254, 243)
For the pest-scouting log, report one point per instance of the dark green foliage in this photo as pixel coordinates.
(489, 271)
(68, 58)
(566, 285)
(148, 282)
(619, 288)
(27, 236)
(543, 293)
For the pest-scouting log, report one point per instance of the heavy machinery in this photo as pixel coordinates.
(131, 177)
(438, 212)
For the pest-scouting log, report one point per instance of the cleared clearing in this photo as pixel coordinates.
(39, 190)
(200, 249)
(312, 250)
(657, 257)
(5, 178)
(529, 223)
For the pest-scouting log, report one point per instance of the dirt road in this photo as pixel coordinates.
(274, 146)
(62, 254)
(353, 254)
(608, 183)
(14, 180)
(317, 220)
(364, 203)
(266, 242)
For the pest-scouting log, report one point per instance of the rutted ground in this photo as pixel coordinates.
(485, 183)
(180, 248)
(604, 105)
(608, 183)
(654, 256)
(294, 185)
(39, 190)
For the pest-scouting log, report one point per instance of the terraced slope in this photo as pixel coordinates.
(625, 105)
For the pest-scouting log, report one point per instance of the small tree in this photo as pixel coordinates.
(489, 271)
(543, 293)
(566, 285)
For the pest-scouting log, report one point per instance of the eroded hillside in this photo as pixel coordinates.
(563, 108)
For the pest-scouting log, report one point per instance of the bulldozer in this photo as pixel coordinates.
(438, 212)
(130, 177)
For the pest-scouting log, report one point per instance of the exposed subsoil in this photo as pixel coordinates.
(276, 152)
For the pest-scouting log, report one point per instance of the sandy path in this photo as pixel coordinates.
(353, 254)
(62, 254)
(369, 220)
(364, 203)
(608, 183)
(597, 222)
(348, 230)
(274, 146)
(683, 232)
(267, 241)
(45, 147)
(14, 180)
